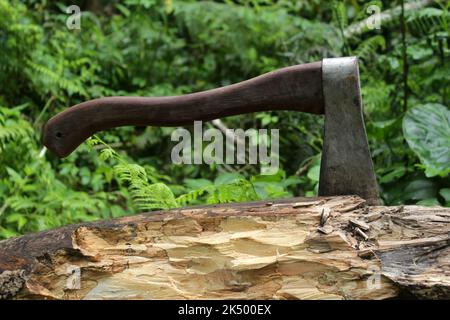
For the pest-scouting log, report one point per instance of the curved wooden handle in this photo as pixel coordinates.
(296, 88)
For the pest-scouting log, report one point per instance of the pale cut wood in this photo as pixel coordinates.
(301, 248)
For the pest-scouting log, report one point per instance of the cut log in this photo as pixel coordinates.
(300, 248)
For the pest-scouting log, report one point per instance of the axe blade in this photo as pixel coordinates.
(346, 166)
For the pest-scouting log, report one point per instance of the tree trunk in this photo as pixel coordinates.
(301, 248)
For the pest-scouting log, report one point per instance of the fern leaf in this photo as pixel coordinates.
(154, 196)
(12, 127)
(340, 14)
(370, 46)
(427, 21)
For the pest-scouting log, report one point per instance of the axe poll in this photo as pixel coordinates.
(330, 87)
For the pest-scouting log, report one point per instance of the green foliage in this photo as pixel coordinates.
(149, 193)
(427, 130)
(13, 127)
(158, 47)
(428, 21)
(32, 197)
(369, 46)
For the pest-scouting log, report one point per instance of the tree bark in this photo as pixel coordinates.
(300, 248)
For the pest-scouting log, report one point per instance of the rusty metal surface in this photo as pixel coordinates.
(346, 166)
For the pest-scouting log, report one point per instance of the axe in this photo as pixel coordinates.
(330, 87)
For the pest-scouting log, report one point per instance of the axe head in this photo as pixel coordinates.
(346, 166)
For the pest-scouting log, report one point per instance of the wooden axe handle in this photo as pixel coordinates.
(297, 88)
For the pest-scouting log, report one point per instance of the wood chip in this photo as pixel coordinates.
(366, 253)
(325, 230)
(362, 234)
(360, 224)
(305, 204)
(324, 216)
(373, 216)
(353, 242)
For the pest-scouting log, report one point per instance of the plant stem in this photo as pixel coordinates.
(404, 57)
(49, 102)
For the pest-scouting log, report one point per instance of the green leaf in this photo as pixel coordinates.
(266, 190)
(124, 10)
(277, 177)
(420, 189)
(314, 173)
(7, 233)
(197, 183)
(445, 193)
(291, 181)
(340, 14)
(154, 196)
(429, 202)
(106, 154)
(381, 129)
(238, 191)
(427, 130)
(393, 174)
(418, 53)
(17, 218)
(226, 178)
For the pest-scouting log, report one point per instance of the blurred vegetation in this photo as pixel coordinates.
(156, 47)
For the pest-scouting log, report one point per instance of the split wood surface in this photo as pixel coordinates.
(300, 248)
